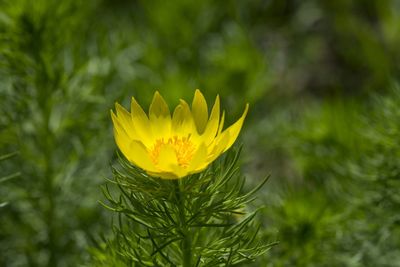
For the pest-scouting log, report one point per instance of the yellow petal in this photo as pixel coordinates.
(134, 151)
(138, 155)
(126, 121)
(198, 158)
(234, 129)
(212, 125)
(168, 166)
(119, 131)
(122, 141)
(218, 147)
(178, 119)
(158, 107)
(141, 123)
(221, 123)
(182, 120)
(167, 159)
(199, 111)
(160, 117)
(184, 144)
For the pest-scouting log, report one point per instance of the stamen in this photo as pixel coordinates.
(183, 147)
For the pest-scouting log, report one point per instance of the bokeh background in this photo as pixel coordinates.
(321, 79)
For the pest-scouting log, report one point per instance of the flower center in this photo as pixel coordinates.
(182, 146)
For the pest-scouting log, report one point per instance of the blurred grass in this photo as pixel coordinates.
(323, 121)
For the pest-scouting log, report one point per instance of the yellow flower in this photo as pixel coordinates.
(173, 147)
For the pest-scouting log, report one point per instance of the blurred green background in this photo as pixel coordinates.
(320, 77)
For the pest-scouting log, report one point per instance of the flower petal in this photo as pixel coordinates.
(160, 117)
(167, 159)
(234, 129)
(219, 145)
(138, 155)
(178, 119)
(198, 158)
(141, 123)
(188, 135)
(199, 111)
(121, 137)
(158, 107)
(212, 125)
(182, 120)
(126, 121)
(133, 150)
(221, 123)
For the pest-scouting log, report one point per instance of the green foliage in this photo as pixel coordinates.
(376, 191)
(304, 220)
(7, 177)
(346, 202)
(55, 109)
(199, 220)
(323, 47)
(306, 67)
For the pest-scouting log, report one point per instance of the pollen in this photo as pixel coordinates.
(182, 146)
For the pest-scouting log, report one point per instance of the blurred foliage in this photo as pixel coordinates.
(346, 201)
(7, 176)
(323, 119)
(55, 103)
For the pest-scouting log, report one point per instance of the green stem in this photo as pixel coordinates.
(186, 244)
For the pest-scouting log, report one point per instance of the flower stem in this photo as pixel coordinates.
(186, 243)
